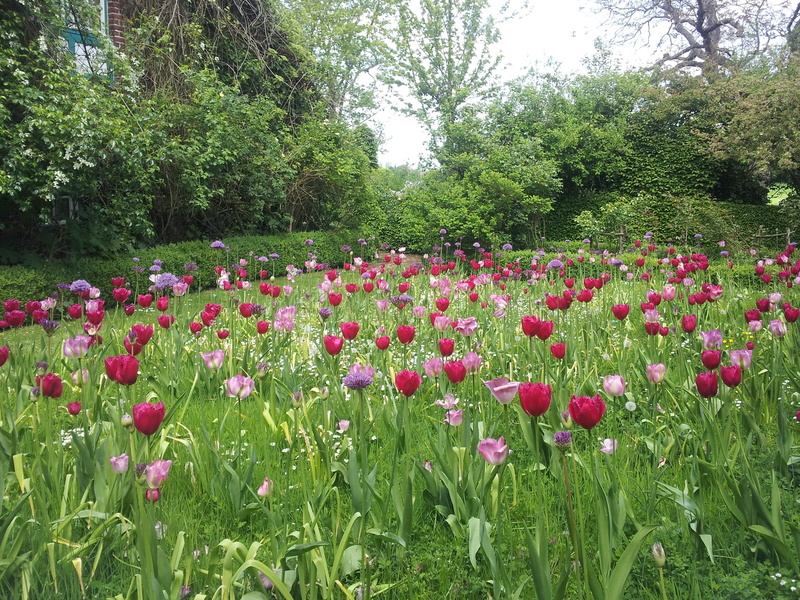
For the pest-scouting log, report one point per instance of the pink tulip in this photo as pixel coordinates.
(239, 386)
(494, 451)
(502, 389)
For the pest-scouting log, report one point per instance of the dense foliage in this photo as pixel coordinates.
(134, 152)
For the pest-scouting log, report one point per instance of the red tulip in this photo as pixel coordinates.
(32, 305)
(473, 296)
(711, 359)
(74, 408)
(405, 333)
(621, 311)
(333, 344)
(15, 318)
(95, 317)
(121, 295)
(262, 327)
(131, 348)
(368, 287)
(143, 333)
(404, 286)
(75, 311)
(535, 398)
(530, 325)
(166, 321)
(335, 299)
(188, 279)
(382, 342)
(446, 346)
(689, 323)
(145, 300)
(10, 305)
(558, 350)
(407, 382)
(752, 315)
(4, 353)
(455, 370)
(349, 330)
(129, 309)
(791, 314)
(50, 385)
(731, 376)
(587, 411)
(223, 334)
(545, 330)
(707, 384)
(207, 318)
(147, 417)
(123, 369)
(246, 309)
(442, 304)
(195, 327)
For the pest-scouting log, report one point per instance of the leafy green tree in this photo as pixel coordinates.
(443, 54)
(348, 41)
(761, 128)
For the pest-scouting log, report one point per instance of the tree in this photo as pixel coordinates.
(762, 125)
(348, 41)
(443, 54)
(701, 34)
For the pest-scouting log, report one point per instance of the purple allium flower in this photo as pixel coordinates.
(217, 244)
(562, 440)
(401, 299)
(49, 326)
(158, 262)
(79, 286)
(274, 256)
(697, 236)
(155, 268)
(309, 242)
(190, 267)
(357, 380)
(138, 270)
(508, 247)
(135, 259)
(362, 241)
(325, 312)
(164, 281)
(345, 248)
(555, 264)
(63, 287)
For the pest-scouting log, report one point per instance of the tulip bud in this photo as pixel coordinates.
(658, 555)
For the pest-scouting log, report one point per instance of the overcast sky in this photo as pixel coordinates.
(559, 29)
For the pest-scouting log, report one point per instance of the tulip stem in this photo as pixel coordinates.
(573, 530)
(663, 587)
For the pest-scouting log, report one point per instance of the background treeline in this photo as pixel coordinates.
(236, 117)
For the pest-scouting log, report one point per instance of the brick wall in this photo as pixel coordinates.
(116, 27)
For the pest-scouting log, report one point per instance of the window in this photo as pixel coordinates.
(80, 35)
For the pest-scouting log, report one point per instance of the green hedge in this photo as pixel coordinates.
(35, 283)
(672, 219)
